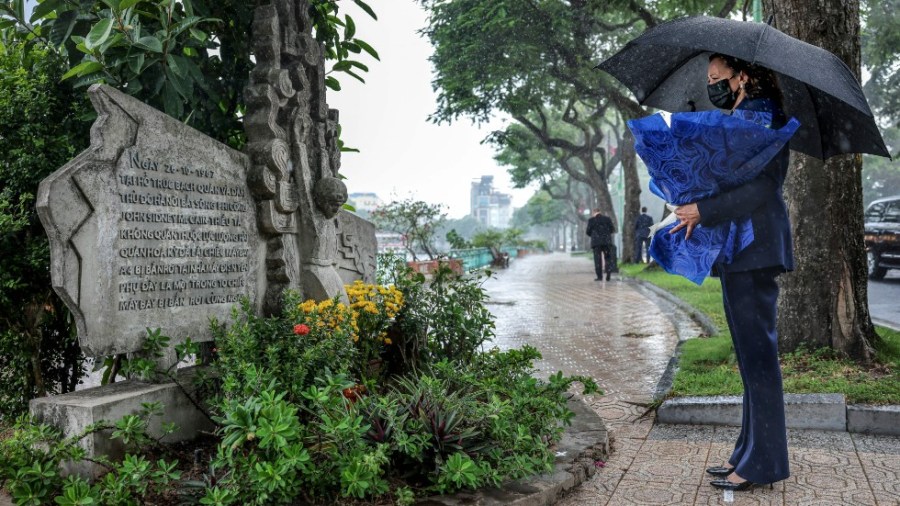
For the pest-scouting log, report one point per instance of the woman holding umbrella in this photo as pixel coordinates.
(749, 290)
(662, 67)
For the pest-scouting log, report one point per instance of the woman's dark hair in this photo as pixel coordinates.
(762, 81)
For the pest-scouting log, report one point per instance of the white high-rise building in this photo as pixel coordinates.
(491, 208)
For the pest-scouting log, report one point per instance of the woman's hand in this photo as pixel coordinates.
(689, 216)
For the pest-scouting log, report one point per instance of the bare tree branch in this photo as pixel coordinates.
(727, 8)
(642, 12)
(544, 136)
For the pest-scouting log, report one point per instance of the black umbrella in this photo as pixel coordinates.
(666, 68)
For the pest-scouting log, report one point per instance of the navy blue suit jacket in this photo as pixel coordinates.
(761, 199)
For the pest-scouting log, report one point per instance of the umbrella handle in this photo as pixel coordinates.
(670, 219)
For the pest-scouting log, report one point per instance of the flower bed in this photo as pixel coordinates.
(385, 399)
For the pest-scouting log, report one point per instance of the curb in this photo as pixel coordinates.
(884, 323)
(802, 411)
(584, 442)
(704, 321)
(664, 385)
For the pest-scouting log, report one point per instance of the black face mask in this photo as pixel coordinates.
(720, 94)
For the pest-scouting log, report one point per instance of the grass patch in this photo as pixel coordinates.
(708, 365)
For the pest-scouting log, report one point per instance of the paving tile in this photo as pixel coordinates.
(670, 462)
(596, 491)
(719, 454)
(622, 452)
(583, 495)
(638, 430)
(804, 495)
(876, 444)
(883, 473)
(582, 326)
(671, 432)
(827, 476)
(618, 411)
(637, 492)
(758, 496)
(824, 459)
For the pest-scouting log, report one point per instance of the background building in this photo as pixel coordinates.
(364, 203)
(490, 207)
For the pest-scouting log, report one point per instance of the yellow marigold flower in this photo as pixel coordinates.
(388, 341)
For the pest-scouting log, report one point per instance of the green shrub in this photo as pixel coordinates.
(442, 319)
(299, 417)
(30, 460)
(41, 128)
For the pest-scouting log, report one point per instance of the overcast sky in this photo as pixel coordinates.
(386, 118)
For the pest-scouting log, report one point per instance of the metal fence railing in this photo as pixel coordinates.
(472, 259)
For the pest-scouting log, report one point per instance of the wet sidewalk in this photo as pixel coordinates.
(623, 337)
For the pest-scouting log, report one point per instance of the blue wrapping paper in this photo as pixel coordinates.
(696, 156)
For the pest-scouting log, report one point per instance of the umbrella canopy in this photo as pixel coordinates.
(666, 68)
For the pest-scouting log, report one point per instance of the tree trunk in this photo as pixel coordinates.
(33, 338)
(581, 244)
(598, 183)
(824, 301)
(632, 196)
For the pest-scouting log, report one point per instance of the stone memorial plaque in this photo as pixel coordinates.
(357, 248)
(153, 226)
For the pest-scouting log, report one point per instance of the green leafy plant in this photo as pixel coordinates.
(30, 464)
(40, 130)
(189, 59)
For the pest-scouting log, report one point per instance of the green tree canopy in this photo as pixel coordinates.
(189, 58)
(880, 36)
(415, 220)
(41, 128)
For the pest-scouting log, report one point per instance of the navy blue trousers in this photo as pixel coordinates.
(750, 300)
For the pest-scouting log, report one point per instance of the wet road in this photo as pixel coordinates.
(884, 300)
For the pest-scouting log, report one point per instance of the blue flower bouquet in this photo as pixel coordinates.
(696, 155)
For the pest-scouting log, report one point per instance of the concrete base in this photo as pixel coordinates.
(73, 412)
(802, 411)
(874, 419)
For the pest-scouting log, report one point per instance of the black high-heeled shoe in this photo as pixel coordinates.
(720, 470)
(737, 487)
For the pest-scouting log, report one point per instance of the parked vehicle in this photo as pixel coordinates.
(882, 235)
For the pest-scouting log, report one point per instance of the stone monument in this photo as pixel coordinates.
(292, 139)
(152, 226)
(158, 226)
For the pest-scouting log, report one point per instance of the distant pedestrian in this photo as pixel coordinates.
(600, 229)
(642, 235)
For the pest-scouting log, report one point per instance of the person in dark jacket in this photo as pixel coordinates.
(600, 229)
(749, 290)
(642, 235)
